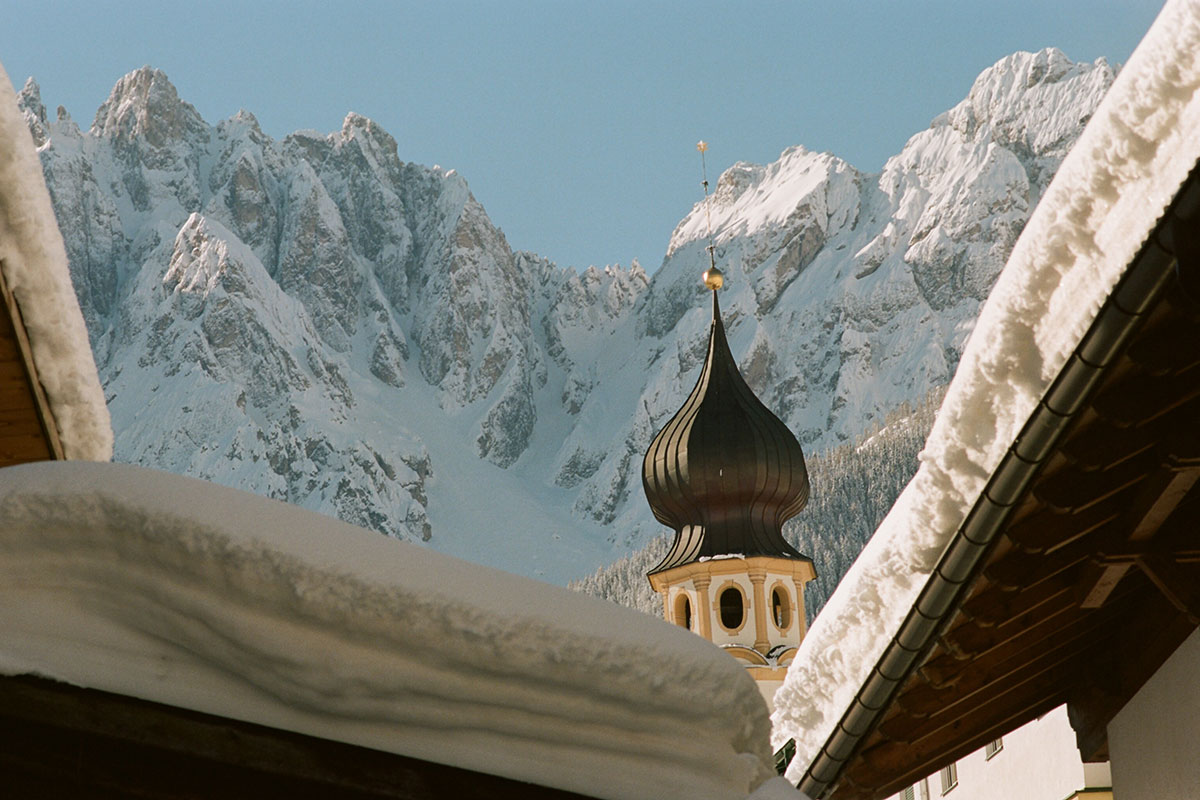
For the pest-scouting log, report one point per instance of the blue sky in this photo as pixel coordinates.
(574, 123)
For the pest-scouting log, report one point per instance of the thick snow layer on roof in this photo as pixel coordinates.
(777, 789)
(35, 266)
(1104, 201)
(178, 591)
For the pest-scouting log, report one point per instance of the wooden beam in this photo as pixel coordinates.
(1003, 643)
(1102, 444)
(1042, 676)
(994, 605)
(1018, 569)
(1158, 350)
(1098, 581)
(1142, 398)
(1073, 490)
(1045, 531)
(945, 667)
(1157, 499)
(1153, 502)
(62, 741)
(1096, 534)
(979, 677)
(1151, 634)
(1091, 729)
(1180, 590)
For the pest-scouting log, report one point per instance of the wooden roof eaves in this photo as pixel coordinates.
(1117, 320)
(122, 746)
(45, 414)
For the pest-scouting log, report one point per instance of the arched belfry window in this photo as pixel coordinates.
(683, 611)
(732, 607)
(781, 608)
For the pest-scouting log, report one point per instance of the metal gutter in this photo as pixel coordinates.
(1116, 322)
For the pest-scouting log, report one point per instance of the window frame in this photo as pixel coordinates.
(682, 615)
(724, 587)
(917, 791)
(949, 777)
(789, 608)
(993, 747)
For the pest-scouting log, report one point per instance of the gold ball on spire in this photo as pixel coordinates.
(714, 279)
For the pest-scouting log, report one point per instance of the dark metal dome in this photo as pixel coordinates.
(724, 472)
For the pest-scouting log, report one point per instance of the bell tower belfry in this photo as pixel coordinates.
(725, 473)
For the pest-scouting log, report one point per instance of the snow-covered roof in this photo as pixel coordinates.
(34, 261)
(178, 591)
(1105, 200)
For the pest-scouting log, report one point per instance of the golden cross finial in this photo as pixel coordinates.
(713, 278)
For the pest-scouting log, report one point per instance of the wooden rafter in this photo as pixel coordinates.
(1054, 646)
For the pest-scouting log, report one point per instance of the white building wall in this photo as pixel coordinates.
(1154, 739)
(768, 689)
(1038, 761)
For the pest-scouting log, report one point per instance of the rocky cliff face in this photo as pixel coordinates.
(316, 320)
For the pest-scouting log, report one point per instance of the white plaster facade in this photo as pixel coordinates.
(1038, 761)
(1153, 740)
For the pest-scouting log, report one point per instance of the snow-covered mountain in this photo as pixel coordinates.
(316, 320)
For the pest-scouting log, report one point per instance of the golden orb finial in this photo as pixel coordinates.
(713, 278)
(701, 145)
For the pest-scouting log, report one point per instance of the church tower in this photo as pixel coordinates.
(725, 473)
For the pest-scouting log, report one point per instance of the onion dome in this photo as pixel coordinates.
(724, 472)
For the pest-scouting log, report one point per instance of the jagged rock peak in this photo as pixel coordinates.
(751, 197)
(355, 122)
(200, 256)
(1035, 99)
(144, 104)
(1048, 65)
(29, 100)
(246, 119)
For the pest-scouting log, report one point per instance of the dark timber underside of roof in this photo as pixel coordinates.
(27, 431)
(1094, 580)
(62, 741)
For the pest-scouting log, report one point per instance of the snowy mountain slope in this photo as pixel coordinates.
(848, 295)
(316, 320)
